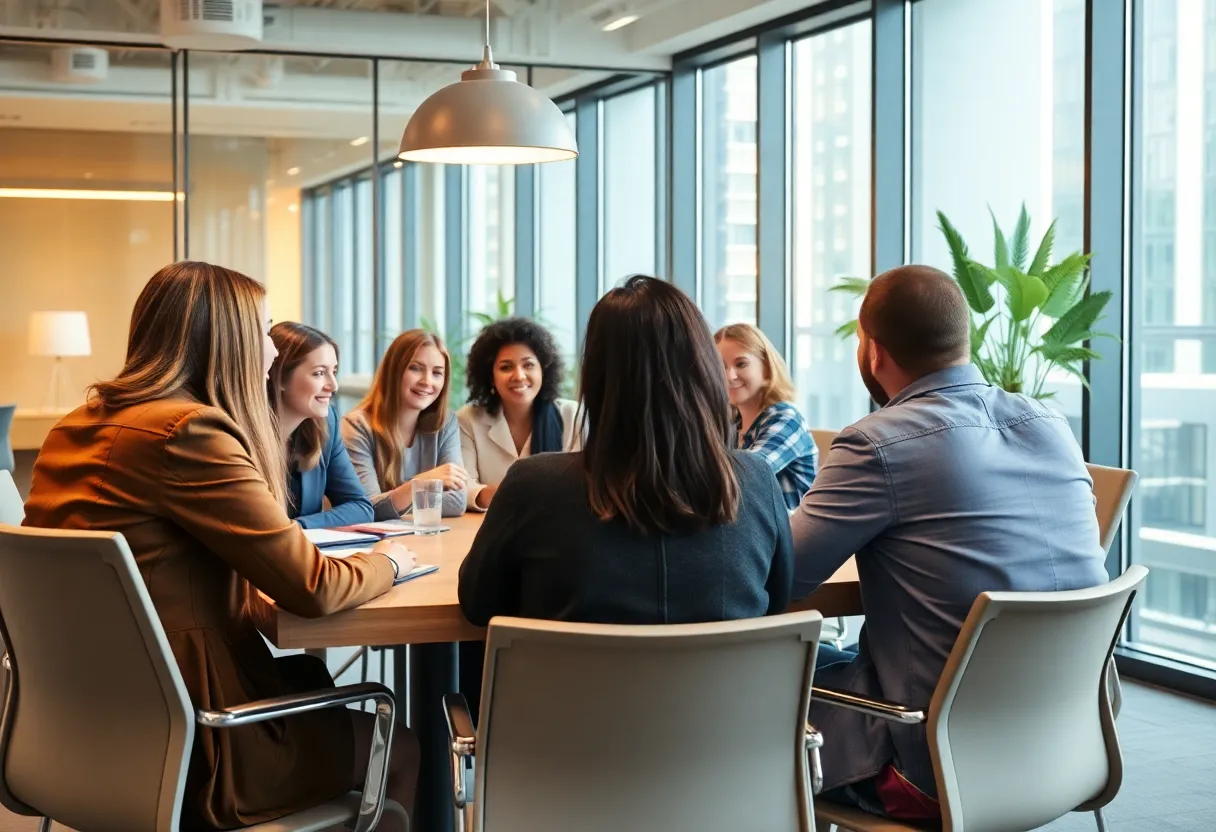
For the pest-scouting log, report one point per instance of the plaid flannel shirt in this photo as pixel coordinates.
(782, 437)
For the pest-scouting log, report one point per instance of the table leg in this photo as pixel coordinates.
(433, 673)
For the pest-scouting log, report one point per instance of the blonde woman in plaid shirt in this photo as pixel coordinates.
(766, 421)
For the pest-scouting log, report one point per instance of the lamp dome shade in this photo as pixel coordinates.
(488, 118)
(59, 334)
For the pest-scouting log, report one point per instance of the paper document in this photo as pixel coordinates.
(324, 538)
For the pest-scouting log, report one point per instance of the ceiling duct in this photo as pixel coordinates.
(214, 25)
(79, 65)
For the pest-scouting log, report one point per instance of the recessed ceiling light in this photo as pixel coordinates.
(293, 171)
(619, 22)
(359, 142)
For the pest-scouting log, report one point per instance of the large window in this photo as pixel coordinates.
(490, 238)
(998, 123)
(630, 182)
(729, 267)
(556, 224)
(830, 217)
(1173, 273)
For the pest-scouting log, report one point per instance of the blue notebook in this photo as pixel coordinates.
(417, 572)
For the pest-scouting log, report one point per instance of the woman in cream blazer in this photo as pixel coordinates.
(514, 373)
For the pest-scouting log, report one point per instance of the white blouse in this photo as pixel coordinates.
(488, 449)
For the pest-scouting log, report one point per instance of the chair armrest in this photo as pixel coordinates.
(890, 711)
(464, 745)
(371, 803)
(814, 742)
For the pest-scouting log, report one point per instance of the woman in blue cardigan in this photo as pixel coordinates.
(302, 384)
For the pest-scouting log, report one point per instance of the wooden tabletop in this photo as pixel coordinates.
(425, 610)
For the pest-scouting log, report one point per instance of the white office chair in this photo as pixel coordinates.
(600, 727)
(97, 726)
(1017, 735)
(12, 509)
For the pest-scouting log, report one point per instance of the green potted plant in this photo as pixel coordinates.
(1027, 316)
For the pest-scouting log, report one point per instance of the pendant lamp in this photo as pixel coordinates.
(487, 118)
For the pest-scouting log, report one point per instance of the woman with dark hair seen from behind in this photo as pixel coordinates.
(179, 455)
(514, 373)
(302, 384)
(766, 420)
(656, 498)
(402, 431)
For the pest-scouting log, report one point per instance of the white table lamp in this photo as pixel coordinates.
(59, 335)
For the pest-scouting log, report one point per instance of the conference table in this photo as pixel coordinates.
(425, 614)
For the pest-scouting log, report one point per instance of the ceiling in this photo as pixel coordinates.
(326, 96)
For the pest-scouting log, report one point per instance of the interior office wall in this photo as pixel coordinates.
(79, 254)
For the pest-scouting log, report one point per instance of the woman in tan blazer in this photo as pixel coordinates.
(178, 453)
(515, 372)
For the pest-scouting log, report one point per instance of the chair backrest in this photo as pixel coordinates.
(1020, 727)
(7, 463)
(97, 724)
(606, 727)
(1112, 491)
(823, 442)
(12, 509)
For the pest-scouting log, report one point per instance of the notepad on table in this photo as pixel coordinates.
(418, 571)
(327, 538)
(382, 528)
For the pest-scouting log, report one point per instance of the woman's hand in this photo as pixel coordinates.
(454, 477)
(485, 495)
(402, 558)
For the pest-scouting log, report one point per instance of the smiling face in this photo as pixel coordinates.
(745, 373)
(310, 387)
(517, 375)
(422, 381)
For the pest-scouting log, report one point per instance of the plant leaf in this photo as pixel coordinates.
(978, 336)
(851, 285)
(1066, 284)
(1021, 240)
(1043, 255)
(1024, 293)
(1072, 369)
(1002, 247)
(1063, 354)
(848, 329)
(974, 290)
(1075, 324)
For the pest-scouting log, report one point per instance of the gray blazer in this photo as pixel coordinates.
(430, 450)
(954, 488)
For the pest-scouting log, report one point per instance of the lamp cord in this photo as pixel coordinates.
(487, 22)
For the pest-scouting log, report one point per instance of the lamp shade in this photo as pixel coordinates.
(59, 333)
(488, 118)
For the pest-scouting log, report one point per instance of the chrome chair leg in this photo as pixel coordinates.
(44, 825)
(1100, 819)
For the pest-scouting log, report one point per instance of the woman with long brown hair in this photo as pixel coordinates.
(302, 384)
(179, 454)
(402, 431)
(657, 520)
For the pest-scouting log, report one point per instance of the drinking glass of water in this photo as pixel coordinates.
(428, 506)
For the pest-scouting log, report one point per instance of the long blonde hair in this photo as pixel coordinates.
(197, 329)
(382, 404)
(778, 387)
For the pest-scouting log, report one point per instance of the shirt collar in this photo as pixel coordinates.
(960, 376)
